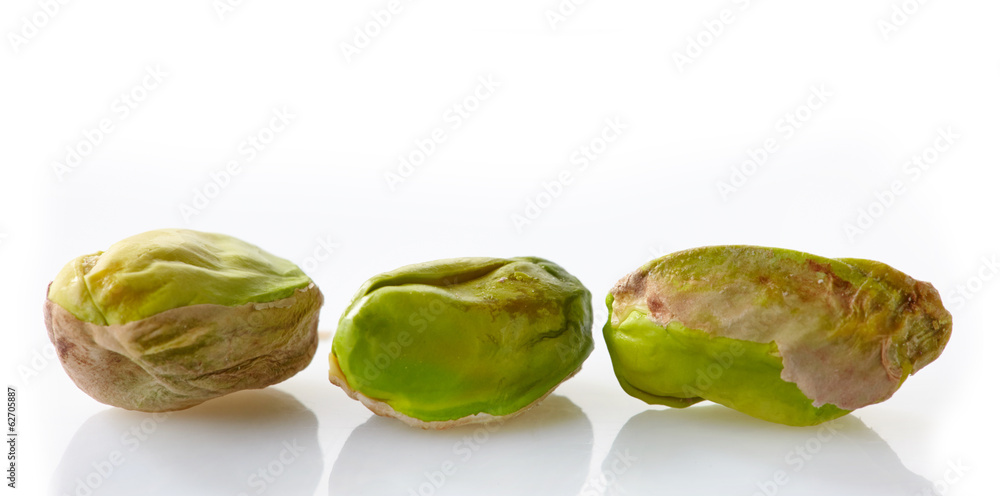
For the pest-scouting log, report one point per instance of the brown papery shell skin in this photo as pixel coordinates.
(181, 357)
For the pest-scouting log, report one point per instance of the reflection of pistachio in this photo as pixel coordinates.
(757, 458)
(781, 335)
(167, 319)
(551, 451)
(463, 340)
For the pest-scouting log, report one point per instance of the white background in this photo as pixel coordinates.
(318, 194)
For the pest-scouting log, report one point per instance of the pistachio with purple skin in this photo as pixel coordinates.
(781, 335)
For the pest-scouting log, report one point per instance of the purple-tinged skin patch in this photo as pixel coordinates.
(848, 331)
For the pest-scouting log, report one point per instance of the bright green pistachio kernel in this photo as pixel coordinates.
(443, 340)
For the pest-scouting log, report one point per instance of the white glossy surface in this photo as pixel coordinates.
(318, 195)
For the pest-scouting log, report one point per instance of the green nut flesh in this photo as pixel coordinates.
(781, 335)
(167, 319)
(155, 271)
(463, 340)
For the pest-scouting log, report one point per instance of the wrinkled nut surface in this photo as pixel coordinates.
(167, 319)
(778, 334)
(461, 341)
